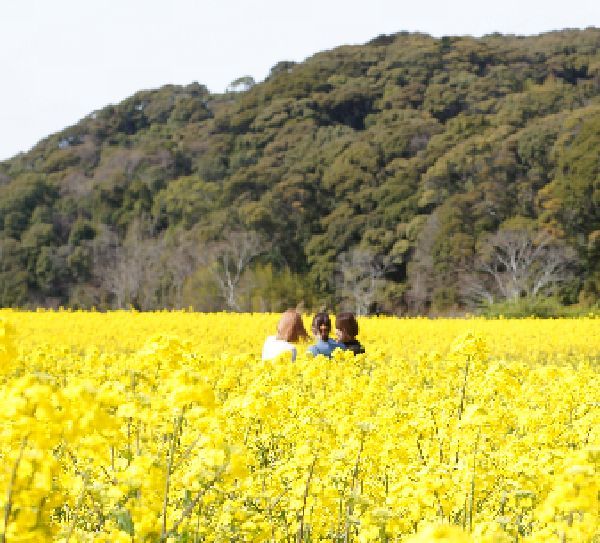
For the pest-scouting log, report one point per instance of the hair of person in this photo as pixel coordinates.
(290, 327)
(346, 322)
(321, 325)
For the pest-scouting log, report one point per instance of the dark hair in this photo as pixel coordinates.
(321, 326)
(346, 322)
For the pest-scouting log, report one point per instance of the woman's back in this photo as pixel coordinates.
(273, 347)
(290, 329)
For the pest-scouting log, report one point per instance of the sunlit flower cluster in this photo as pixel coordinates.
(134, 427)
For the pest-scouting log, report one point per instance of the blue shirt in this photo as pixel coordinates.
(325, 348)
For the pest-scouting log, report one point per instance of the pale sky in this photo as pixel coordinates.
(62, 59)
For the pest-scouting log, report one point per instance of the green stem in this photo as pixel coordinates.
(169, 469)
(306, 492)
(472, 501)
(463, 394)
(9, 493)
(350, 510)
(77, 508)
(190, 507)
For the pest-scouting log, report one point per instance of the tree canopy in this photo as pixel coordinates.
(410, 148)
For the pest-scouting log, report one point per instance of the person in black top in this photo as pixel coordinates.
(346, 329)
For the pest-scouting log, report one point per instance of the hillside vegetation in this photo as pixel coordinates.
(397, 159)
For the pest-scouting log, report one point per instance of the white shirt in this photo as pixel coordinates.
(273, 347)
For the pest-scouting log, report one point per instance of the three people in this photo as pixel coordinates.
(290, 331)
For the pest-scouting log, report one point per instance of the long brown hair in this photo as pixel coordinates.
(290, 327)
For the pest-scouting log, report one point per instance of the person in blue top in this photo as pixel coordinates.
(321, 327)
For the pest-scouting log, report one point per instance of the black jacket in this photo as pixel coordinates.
(354, 346)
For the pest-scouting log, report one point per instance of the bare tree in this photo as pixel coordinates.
(230, 258)
(519, 263)
(420, 269)
(360, 278)
(130, 271)
(182, 260)
(476, 289)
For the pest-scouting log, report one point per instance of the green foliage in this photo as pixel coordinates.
(543, 308)
(413, 147)
(49, 268)
(81, 230)
(15, 223)
(184, 202)
(275, 290)
(23, 194)
(38, 236)
(61, 159)
(80, 263)
(14, 290)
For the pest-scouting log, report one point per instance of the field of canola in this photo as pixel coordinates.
(131, 427)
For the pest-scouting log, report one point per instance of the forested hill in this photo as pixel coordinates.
(396, 161)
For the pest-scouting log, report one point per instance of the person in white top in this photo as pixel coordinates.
(290, 330)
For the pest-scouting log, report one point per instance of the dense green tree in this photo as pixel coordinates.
(412, 148)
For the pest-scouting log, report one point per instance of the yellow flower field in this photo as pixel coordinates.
(136, 427)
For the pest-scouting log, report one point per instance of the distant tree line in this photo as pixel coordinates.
(409, 174)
